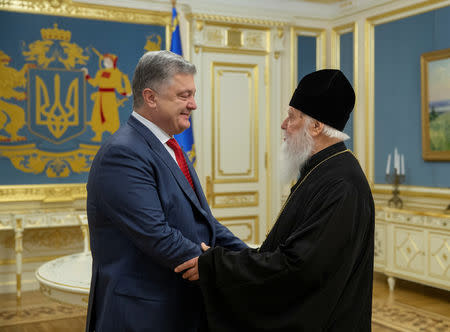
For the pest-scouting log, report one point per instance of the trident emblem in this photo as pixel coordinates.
(57, 118)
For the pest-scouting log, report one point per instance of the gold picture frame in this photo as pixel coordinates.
(435, 79)
(59, 194)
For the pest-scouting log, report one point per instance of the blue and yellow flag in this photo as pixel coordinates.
(186, 138)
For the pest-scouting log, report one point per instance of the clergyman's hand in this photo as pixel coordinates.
(191, 267)
(205, 247)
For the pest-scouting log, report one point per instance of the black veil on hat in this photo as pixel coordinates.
(325, 95)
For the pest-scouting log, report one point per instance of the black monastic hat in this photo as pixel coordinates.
(325, 95)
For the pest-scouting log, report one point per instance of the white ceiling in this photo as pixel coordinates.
(281, 9)
(284, 10)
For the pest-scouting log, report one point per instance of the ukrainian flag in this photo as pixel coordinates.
(186, 138)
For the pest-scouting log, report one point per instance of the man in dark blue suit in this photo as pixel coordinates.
(147, 212)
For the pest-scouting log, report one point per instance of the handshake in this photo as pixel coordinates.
(190, 267)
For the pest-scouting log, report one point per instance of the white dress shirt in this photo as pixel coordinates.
(158, 132)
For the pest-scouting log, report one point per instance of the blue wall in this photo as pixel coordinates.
(346, 65)
(306, 60)
(398, 47)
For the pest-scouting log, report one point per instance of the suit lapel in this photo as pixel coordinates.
(201, 197)
(161, 151)
(198, 187)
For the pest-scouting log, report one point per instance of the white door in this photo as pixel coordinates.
(232, 107)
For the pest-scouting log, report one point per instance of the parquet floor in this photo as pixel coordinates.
(411, 307)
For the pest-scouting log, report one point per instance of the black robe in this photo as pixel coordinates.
(314, 270)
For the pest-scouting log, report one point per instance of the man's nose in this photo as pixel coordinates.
(192, 105)
(283, 124)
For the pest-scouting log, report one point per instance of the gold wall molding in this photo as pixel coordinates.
(321, 60)
(414, 191)
(412, 10)
(48, 238)
(235, 199)
(417, 218)
(214, 36)
(237, 39)
(197, 48)
(234, 20)
(369, 67)
(28, 260)
(336, 34)
(45, 193)
(250, 222)
(234, 38)
(83, 10)
(255, 40)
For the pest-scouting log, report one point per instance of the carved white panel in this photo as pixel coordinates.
(409, 249)
(244, 227)
(380, 243)
(416, 219)
(255, 40)
(214, 36)
(235, 123)
(6, 222)
(439, 257)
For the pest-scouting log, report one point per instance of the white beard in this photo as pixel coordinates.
(295, 151)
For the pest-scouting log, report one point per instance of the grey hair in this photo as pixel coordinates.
(155, 69)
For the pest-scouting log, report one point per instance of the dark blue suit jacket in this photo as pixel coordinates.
(144, 220)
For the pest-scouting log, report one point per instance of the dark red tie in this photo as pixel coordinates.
(173, 144)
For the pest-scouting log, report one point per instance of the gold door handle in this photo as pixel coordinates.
(209, 190)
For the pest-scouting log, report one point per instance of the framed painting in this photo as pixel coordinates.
(65, 70)
(435, 73)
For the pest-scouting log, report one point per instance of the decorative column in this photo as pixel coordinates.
(19, 249)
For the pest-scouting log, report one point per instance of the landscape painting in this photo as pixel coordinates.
(436, 105)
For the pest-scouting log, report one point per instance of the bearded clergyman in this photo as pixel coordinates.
(314, 270)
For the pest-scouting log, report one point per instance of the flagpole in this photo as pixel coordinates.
(186, 138)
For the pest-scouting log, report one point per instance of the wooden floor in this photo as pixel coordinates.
(424, 299)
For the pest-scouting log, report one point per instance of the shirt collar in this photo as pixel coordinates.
(158, 132)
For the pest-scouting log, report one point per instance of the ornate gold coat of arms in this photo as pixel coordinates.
(53, 83)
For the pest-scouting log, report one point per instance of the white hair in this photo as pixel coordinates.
(327, 130)
(334, 133)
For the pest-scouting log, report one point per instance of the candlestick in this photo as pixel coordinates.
(396, 162)
(403, 165)
(395, 179)
(388, 166)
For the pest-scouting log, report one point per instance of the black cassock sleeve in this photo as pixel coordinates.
(276, 290)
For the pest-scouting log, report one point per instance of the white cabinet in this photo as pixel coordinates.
(439, 244)
(413, 245)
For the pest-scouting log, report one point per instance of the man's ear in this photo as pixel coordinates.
(316, 128)
(149, 96)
